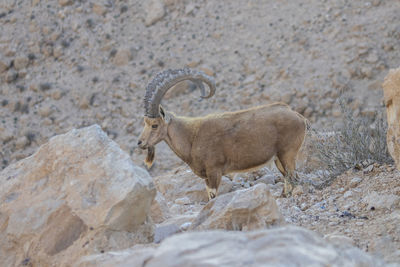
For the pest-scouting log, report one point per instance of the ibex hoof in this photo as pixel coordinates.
(288, 188)
(212, 193)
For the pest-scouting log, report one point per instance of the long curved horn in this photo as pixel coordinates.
(163, 81)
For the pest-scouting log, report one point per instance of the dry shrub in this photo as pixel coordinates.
(360, 140)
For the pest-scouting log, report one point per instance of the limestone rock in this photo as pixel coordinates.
(185, 183)
(391, 91)
(154, 10)
(159, 210)
(247, 209)
(78, 194)
(285, 246)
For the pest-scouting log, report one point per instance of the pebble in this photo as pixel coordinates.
(122, 57)
(266, 179)
(57, 94)
(21, 63)
(99, 9)
(3, 66)
(372, 58)
(45, 111)
(65, 2)
(21, 142)
(182, 201)
(298, 190)
(185, 226)
(354, 182)
(155, 11)
(348, 194)
(11, 76)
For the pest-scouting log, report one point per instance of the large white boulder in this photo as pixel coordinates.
(78, 194)
(285, 246)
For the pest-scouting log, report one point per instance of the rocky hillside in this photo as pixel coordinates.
(82, 198)
(69, 63)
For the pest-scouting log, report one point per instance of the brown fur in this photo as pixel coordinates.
(231, 142)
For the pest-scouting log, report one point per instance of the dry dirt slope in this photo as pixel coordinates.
(71, 63)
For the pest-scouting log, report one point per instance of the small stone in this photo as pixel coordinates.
(381, 201)
(21, 142)
(3, 66)
(47, 122)
(207, 71)
(348, 194)
(154, 12)
(58, 52)
(6, 135)
(99, 9)
(376, 2)
(287, 98)
(266, 179)
(190, 8)
(250, 79)
(122, 57)
(22, 73)
(45, 86)
(10, 52)
(182, 201)
(45, 111)
(354, 182)
(11, 76)
(368, 169)
(367, 72)
(372, 58)
(20, 63)
(65, 2)
(185, 226)
(359, 223)
(56, 95)
(304, 206)
(298, 190)
(193, 64)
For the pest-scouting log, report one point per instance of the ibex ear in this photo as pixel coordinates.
(164, 115)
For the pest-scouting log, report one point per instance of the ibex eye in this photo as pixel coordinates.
(154, 126)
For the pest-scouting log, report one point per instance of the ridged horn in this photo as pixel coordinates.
(163, 81)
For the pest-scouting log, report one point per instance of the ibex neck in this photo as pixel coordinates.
(180, 136)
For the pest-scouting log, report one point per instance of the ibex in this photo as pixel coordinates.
(222, 143)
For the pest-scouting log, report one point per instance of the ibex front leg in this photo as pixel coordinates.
(212, 183)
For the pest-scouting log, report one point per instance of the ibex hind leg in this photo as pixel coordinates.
(212, 183)
(286, 164)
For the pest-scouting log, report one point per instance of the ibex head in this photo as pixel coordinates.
(156, 119)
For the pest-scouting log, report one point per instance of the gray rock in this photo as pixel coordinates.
(266, 179)
(285, 246)
(246, 209)
(381, 201)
